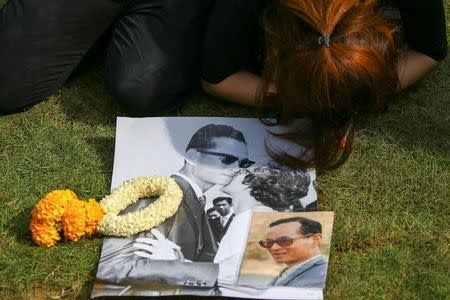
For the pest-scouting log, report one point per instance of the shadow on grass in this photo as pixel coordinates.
(98, 186)
(104, 147)
(86, 288)
(19, 227)
(84, 98)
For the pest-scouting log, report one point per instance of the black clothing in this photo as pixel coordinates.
(189, 228)
(233, 39)
(235, 30)
(152, 60)
(309, 207)
(424, 26)
(217, 228)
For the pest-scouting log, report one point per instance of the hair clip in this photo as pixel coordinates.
(324, 40)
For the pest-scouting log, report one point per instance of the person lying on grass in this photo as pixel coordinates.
(326, 60)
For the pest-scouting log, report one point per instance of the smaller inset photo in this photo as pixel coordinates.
(287, 249)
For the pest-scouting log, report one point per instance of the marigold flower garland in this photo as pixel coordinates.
(61, 211)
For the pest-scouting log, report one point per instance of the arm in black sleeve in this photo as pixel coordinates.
(230, 37)
(424, 25)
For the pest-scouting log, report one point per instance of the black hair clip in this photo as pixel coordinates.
(324, 40)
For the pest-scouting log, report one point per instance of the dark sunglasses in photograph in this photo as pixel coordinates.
(228, 159)
(283, 241)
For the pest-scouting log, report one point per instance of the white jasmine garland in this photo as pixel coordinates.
(170, 196)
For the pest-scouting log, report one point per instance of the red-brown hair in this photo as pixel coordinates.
(329, 84)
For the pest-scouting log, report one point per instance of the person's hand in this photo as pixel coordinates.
(159, 248)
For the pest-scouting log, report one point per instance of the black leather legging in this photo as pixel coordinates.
(152, 56)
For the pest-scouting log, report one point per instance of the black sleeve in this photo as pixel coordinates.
(424, 26)
(230, 38)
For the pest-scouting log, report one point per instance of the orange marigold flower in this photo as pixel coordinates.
(60, 210)
(44, 233)
(52, 205)
(94, 214)
(73, 220)
(46, 217)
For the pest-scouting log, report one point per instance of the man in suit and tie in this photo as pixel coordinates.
(214, 155)
(296, 243)
(214, 221)
(224, 206)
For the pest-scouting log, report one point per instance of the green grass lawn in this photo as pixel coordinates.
(391, 237)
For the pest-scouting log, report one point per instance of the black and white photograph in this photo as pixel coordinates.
(225, 174)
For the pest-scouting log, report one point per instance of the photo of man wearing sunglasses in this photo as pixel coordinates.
(203, 155)
(295, 242)
(214, 154)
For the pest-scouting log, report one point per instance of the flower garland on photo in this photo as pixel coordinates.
(170, 196)
(61, 211)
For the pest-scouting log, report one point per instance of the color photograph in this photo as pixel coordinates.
(287, 249)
